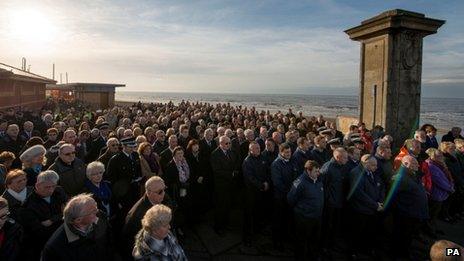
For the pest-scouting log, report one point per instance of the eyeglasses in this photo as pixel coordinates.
(5, 216)
(227, 143)
(70, 153)
(97, 173)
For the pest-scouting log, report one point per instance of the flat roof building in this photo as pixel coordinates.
(21, 89)
(98, 95)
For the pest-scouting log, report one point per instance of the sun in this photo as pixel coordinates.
(31, 25)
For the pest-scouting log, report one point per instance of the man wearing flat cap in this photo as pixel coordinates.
(99, 142)
(124, 173)
(359, 144)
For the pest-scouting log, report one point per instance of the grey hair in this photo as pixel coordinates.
(75, 207)
(93, 166)
(157, 216)
(64, 146)
(48, 175)
(209, 130)
(111, 140)
(152, 180)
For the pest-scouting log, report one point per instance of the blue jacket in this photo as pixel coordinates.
(283, 173)
(409, 196)
(255, 172)
(333, 176)
(306, 197)
(299, 158)
(365, 191)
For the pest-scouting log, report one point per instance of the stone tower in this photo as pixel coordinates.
(391, 68)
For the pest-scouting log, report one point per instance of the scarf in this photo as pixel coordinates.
(184, 170)
(166, 249)
(21, 196)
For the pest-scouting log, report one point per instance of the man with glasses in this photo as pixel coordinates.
(70, 169)
(82, 236)
(10, 234)
(42, 213)
(52, 138)
(154, 194)
(225, 164)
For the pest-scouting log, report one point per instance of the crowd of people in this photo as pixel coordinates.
(126, 183)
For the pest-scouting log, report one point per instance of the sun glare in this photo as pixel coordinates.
(31, 26)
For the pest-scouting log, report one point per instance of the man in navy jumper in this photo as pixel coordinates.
(283, 173)
(334, 175)
(365, 199)
(306, 198)
(409, 205)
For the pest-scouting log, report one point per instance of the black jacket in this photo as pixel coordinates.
(37, 210)
(334, 177)
(224, 167)
(122, 171)
(65, 244)
(14, 205)
(11, 246)
(255, 172)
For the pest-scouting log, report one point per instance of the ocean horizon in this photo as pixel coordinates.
(444, 113)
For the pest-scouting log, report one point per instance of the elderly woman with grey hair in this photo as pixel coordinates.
(155, 240)
(33, 160)
(82, 236)
(100, 189)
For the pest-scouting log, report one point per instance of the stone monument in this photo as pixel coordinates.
(391, 68)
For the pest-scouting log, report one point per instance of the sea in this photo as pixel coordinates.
(443, 113)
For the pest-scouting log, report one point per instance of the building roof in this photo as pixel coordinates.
(11, 72)
(79, 86)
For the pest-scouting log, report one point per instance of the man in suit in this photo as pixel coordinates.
(166, 155)
(224, 163)
(99, 143)
(160, 143)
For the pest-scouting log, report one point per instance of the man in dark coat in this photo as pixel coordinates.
(320, 153)
(70, 169)
(257, 182)
(301, 154)
(225, 164)
(112, 148)
(384, 170)
(125, 176)
(409, 205)
(160, 143)
(365, 198)
(11, 234)
(154, 194)
(83, 236)
(13, 143)
(166, 155)
(333, 174)
(207, 146)
(42, 213)
(98, 143)
(454, 133)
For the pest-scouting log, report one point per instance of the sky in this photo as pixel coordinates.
(241, 46)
